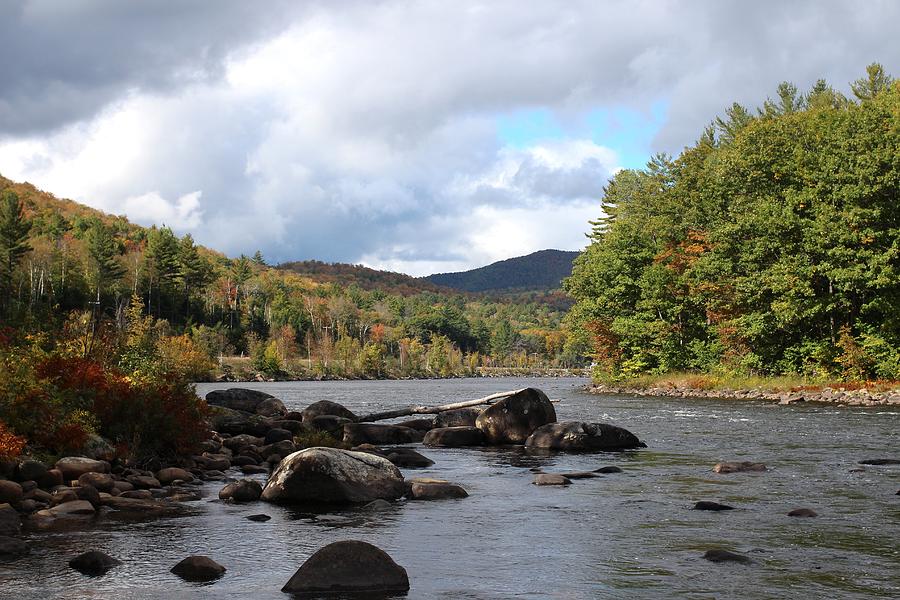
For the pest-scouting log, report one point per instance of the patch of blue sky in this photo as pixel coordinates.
(626, 131)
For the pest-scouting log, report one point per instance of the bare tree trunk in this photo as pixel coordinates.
(430, 410)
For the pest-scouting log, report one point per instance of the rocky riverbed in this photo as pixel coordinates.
(841, 396)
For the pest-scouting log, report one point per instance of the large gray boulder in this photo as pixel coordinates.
(248, 401)
(349, 566)
(330, 475)
(513, 419)
(73, 467)
(576, 436)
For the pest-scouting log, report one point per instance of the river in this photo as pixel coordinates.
(626, 535)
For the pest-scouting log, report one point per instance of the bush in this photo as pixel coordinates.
(11, 445)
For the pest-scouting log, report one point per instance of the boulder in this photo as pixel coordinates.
(550, 479)
(348, 566)
(10, 492)
(198, 568)
(331, 475)
(374, 433)
(513, 419)
(277, 435)
(739, 467)
(75, 508)
(73, 467)
(98, 448)
(238, 442)
(144, 482)
(88, 493)
(407, 458)
(100, 481)
(137, 495)
(170, 474)
(726, 556)
(245, 490)
(10, 522)
(461, 417)
(258, 518)
(331, 424)
(93, 563)
(803, 512)
(434, 489)
(420, 424)
(248, 401)
(577, 436)
(607, 470)
(254, 470)
(292, 425)
(709, 505)
(31, 470)
(12, 548)
(51, 478)
(225, 420)
(326, 407)
(454, 437)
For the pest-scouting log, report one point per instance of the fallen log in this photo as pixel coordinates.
(431, 410)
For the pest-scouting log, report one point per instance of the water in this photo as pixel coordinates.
(627, 535)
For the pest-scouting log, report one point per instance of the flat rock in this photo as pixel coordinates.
(608, 470)
(260, 518)
(93, 563)
(348, 566)
(739, 467)
(198, 568)
(407, 458)
(550, 479)
(719, 556)
(375, 433)
(245, 400)
(73, 467)
(578, 436)
(709, 505)
(428, 489)
(454, 437)
(75, 508)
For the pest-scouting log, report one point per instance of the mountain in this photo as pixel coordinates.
(542, 270)
(368, 279)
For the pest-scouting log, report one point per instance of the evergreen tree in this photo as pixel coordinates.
(14, 228)
(103, 268)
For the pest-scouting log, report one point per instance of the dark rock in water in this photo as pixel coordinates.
(331, 424)
(198, 568)
(461, 417)
(293, 425)
(170, 474)
(10, 492)
(93, 563)
(374, 433)
(803, 512)
(326, 407)
(576, 436)
(245, 490)
(513, 419)
(12, 548)
(550, 479)
(739, 467)
(708, 505)
(254, 470)
(144, 481)
(261, 518)
(454, 437)
(330, 475)
(607, 470)
(377, 505)
(248, 401)
(136, 495)
(434, 489)
(88, 493)
(880, 461)
(236, 443)
(10, 522)
(407, 458)
(242, 461)
(726, 556)
(579, 474)
(31, 470)
(348, 566)
(419, 424)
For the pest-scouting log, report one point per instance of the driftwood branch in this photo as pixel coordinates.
(430, 410)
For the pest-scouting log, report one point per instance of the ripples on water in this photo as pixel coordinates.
(627, 535)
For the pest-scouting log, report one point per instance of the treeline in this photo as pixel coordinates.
(770, 246)
(63, 265)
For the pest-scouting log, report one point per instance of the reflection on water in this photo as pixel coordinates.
(622, 535)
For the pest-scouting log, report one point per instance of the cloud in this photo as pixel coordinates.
(419, 136)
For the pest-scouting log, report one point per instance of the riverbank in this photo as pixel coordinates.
(780, 391)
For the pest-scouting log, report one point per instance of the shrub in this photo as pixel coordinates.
(11, 445)
(184, 359)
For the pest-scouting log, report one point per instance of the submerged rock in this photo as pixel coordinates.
(94, 563)
(12, 548)
(261, 518)
(607, 470)
(708, 505)
(513, 419)
(331, 475)
(454, 437)
(739, 467)
(434, 489)
(803, 512)
(880, 461)
(550, 479)
(198, 568)
(577, 436)
(245, 490)
(348, 566)
(726, 556)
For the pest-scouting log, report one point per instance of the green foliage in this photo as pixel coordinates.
(14, 228)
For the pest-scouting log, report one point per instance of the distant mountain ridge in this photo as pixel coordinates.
(542, 270)
(345, 274)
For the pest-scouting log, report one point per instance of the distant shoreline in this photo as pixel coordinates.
(481, 372)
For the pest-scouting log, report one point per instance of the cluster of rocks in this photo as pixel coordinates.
(860, 397)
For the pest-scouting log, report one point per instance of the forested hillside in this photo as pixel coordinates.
(771, 246)
(543, 270)
(364, 277)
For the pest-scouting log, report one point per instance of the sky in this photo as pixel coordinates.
(415, 136)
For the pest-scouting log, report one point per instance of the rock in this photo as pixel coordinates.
(75, 508)
(10, 522)
(579, 474)
(245, 490)
(51, 478)
(254, 470)
(73, 467)
(144, 482)
(137, 495)
(31, 470)
(258, 518)
(326, 407)
(124, 503)
(198, 568)
(726, 556)
(278, 435)
(461, 417)
(331, 475)
(513, 419)
(122, 486)
(708, 505)
(241, 461)
(576, 436)
(606, 470)
(374, 433)
(348, 566)
(880, 461)
(10, 492)
(292, 425)
(419, 424)
(550, 479)
(431, 489)
(167, 476)
(407, 458)
(94, 563)
(235, 422)
(29, 506)
(101, 481)
(803, 512)
(239, 442)
(88, 493)
(98, 448)
(739, 467)
(12, 548)
(248, 401)
(331, 424)
(377, 505)
(454, 437)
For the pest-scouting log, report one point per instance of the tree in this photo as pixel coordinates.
(104, 268)
(875, 82)
(14, 228)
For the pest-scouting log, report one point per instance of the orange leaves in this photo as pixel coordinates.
(11, 445)
(681, 256)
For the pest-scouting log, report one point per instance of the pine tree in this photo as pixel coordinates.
(104, 268)
(14, 228)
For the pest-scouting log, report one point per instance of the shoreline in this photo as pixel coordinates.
(482, 372)
(827, 395)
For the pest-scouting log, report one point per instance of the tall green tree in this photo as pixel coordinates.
(14, 228)
(103, 266)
